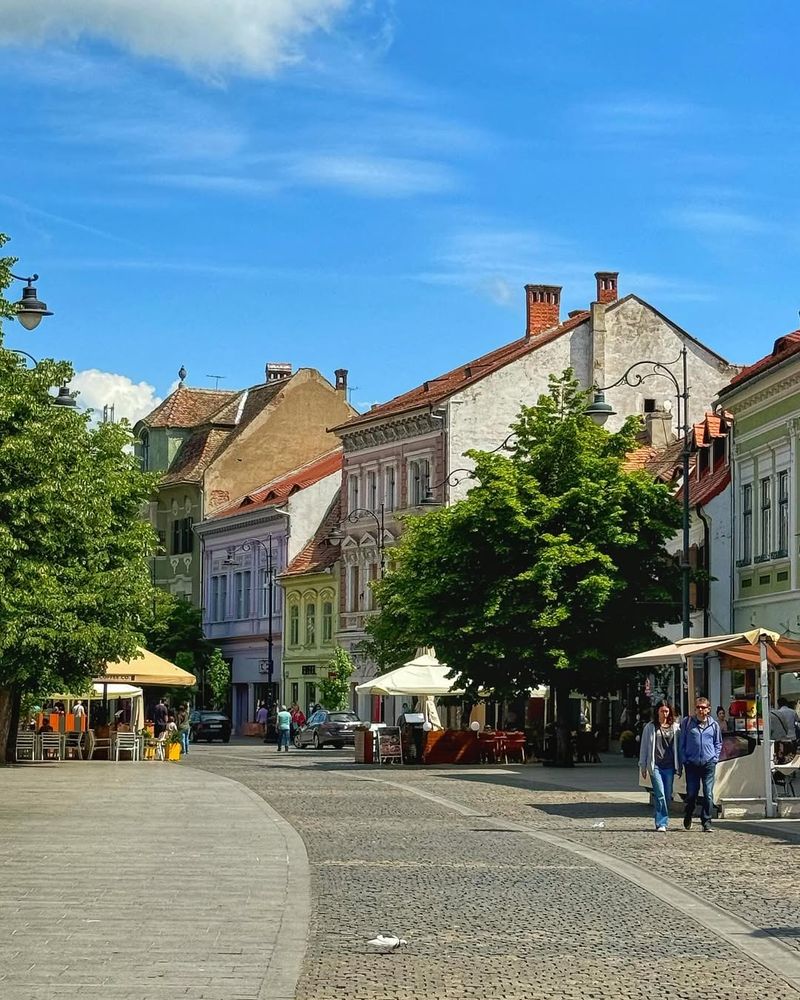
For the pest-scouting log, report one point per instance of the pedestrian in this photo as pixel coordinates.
(789, 718)
(184, 726)
(284, 721)
(700, 747)
(659, 756)
(160, 718)
(78, 711)
(262, 715)
(298, 719)
(722, 720)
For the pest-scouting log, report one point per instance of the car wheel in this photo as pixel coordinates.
(317, 744)
(297, 744)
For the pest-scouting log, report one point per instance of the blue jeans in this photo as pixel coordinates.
(663, 780)
(695, 774)
(283, 739)
(184, 734)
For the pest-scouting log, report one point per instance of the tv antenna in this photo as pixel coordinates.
(217, 378)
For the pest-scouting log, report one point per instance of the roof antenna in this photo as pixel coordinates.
(217, 377)
(181, 376)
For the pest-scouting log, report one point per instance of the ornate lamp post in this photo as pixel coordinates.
(336, 537)
(599, 410)
(30, 308)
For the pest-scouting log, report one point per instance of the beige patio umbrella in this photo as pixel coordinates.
(146, 668)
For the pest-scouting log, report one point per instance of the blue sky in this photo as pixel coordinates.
(369, 184)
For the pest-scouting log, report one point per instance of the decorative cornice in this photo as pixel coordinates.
(768, 393)
(391, 430)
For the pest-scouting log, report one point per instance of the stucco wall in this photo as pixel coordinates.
(307, 509)
(289, 432)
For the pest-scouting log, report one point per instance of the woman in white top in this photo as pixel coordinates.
(659, 756)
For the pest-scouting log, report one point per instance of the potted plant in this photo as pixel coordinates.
(627, 742)
(172, 745)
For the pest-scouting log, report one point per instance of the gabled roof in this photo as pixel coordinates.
(318, 554)
(703, 490)
(278, 491)
(783, 348)
(187, 407)
(661, 463)
(437, 389)
(194, 456)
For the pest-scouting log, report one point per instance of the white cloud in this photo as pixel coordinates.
(392, 176)
(129, 399)
(257, 37)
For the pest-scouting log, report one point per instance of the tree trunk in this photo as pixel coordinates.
(563, 686)
(10, 699)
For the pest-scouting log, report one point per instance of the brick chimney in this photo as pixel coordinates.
(543, 306)
(276, 371)
(606, 286)
(341, 379)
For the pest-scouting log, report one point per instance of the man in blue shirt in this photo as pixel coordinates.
(701, 745)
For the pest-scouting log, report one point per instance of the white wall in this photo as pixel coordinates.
(306, 509)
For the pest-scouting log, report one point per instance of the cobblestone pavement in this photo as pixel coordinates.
(144, 881)
(490, 911)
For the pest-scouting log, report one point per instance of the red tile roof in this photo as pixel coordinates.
(195, 455)
(319, 554)
(278, 491)
(435, 390)
(703, 490)
(188, 407)
(783, 348)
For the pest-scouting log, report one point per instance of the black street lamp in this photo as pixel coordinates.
(336, 537)
(30, 308)
(64, 397)
(266, 548)
(599, 410)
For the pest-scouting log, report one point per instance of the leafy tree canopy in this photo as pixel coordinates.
(551, 567)
(335, 688)
(74, 585)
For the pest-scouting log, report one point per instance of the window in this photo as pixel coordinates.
(327, 621)
(295, 692)
(219, 598)
(267, 588)
(765, 522)
(241, 594)
(419, 477)
(372, 490)
(352, 589)
(649, 406)
(311, 624)
(144, 450)
(182, 536)
(309, 670)
(747, 522)
(373, 576)
(783, 514)
(294, 625)
(353, 489)
(389, 488)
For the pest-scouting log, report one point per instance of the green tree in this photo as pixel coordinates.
(74, 585)
(551, 567)
(218, 679)
(335, 688)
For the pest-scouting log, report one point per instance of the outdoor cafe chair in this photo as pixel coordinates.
(51, 746)
(126, 743)
(73, 746)
(95, 743)
(515, 745)
(27, 745)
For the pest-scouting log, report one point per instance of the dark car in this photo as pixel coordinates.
(324, 727)
(204, 725)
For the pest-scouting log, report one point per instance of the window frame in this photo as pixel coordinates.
(765, 516)
(747, 523)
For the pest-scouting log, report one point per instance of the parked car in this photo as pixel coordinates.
(324, 727)
(205, 725)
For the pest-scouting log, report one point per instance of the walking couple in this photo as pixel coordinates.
(667, 748)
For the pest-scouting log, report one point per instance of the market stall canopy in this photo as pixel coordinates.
(423, 675)
(146, 668)
(782, 653)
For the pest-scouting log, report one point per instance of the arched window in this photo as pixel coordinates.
(327, 621)
(294, 625)
(311, 623)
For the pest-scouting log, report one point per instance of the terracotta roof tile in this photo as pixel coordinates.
(319, 554)
(195, 455)
(188, 407)
(435, 390)
(783, 348)
(702, 490)
(278, 491)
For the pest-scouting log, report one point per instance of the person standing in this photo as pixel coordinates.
(284, 721)
(184, 726)
(160, 718)
(700, 747)
(659, 756)
(78, 711)
(262, 715)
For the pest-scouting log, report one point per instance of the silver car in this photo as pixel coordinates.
(324, 728)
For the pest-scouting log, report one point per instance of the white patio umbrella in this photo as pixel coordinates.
(424, 678)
